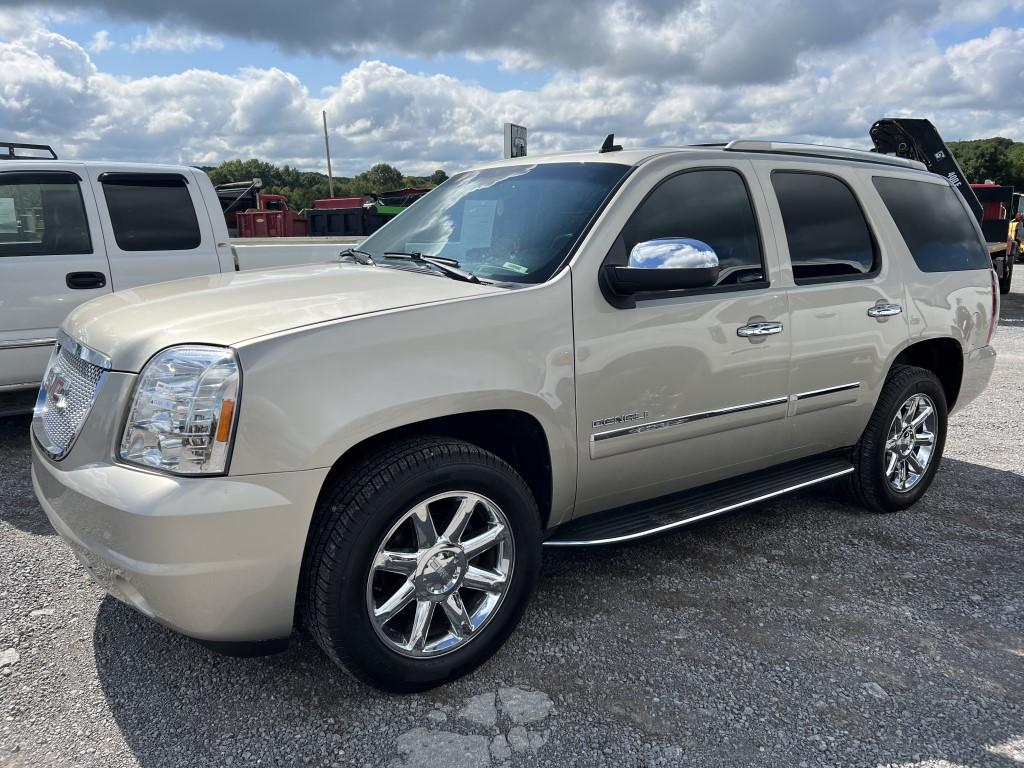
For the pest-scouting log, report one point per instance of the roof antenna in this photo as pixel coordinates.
(610, 145)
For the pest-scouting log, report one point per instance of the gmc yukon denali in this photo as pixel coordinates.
(571, 350)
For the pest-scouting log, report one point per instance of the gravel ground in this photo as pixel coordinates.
(799, 634)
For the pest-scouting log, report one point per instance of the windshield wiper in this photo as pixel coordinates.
(357, 256)
(449, 267)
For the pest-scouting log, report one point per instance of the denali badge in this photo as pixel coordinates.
(623, 419)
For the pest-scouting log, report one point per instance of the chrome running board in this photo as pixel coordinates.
(637, 521)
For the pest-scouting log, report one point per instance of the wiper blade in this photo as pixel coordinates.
(449, 267)
(357, 256)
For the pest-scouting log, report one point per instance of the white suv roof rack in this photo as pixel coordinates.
(820, 150)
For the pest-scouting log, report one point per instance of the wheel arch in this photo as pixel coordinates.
(514, 436)
(943, 356)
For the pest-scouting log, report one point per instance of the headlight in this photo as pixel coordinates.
(182, 417)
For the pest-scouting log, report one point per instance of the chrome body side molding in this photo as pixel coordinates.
(27, 343)
(677, 421)
(826, 391)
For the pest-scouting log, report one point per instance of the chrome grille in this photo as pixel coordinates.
(69, 388)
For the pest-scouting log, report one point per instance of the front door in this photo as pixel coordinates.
(670, 395)
(51, 260)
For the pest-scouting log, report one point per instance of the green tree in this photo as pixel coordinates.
(999, 159)
(380, 178)
(438, 177)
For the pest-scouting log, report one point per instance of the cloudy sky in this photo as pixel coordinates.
(427, 85)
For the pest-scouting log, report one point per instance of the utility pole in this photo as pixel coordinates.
(327, 146)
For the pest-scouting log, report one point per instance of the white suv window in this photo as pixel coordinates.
(42, 213)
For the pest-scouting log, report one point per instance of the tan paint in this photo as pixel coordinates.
(334, 354)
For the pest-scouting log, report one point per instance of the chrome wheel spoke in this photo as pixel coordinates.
(914, 464)
(457, 615)
(483, 580)
(463, 514)
(484, 541)
(423, 523)
(403, 563)
(919, 419)
(890, 466)
(394, 604)
(924, 438)
(420, 625)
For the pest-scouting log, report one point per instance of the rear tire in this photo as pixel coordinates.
(910, 394)
(386, 536)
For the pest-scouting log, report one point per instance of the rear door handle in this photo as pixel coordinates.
(758, 329)
(83, 281)
(885, 310)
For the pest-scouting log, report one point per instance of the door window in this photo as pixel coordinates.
(935, 225)
(827, 233)
(150, 213)
(42, 213)
(712, 206)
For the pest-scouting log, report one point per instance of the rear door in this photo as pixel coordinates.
(846, 299)
(151, 226)
(51, 260)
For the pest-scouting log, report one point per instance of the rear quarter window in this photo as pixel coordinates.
(934, 223)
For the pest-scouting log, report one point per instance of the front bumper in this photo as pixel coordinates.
(214, 558)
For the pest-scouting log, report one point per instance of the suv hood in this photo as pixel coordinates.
(130, 326)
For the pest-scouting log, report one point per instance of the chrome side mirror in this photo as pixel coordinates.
(665, 264)
(673, 253)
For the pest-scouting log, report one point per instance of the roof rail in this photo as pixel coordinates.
(820, 150)
(11, 154)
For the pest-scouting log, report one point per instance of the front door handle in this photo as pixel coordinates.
(758, 329)
(83, 281)
(885, 310)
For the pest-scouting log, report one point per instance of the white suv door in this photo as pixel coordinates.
(155, 224)
(51, 260)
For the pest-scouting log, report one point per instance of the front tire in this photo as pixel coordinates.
(421, 563)
(899, 453)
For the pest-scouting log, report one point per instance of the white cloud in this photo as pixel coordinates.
(51, 90)
(168, 38)
(100, 42)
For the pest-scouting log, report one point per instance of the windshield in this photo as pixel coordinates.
(511, 224)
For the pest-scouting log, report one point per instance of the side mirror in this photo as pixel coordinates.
(665, 264)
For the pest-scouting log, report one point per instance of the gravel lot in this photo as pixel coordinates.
(799, 634)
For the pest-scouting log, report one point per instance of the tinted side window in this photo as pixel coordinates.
(712, 206)
(42, 214)
(827, 234)
(936, 227)
(149, 215)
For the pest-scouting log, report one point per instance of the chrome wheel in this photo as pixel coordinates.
(440, 574)
(910, 443)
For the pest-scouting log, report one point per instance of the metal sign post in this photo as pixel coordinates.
(515, 141)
